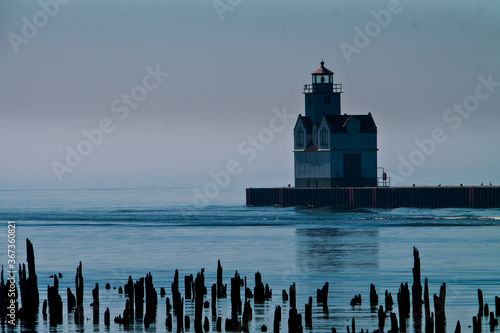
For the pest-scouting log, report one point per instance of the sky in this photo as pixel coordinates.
(190, 90)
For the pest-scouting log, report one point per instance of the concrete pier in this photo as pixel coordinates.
(377, 197)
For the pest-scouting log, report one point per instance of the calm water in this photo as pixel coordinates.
(120, 231)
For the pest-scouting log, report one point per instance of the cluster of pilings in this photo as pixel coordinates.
(141, 302)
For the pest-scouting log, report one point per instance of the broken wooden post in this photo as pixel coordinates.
(95, 304)
(71, 300)
(214, 300)
(151, 300)
(199, 285)
(373, 296)
(356, 300)
(28, 287)
(139, 298)
(106, 317)
(284, 296)
(188, 286)
(381, 318)
(79, 316)
(389, 302)
(277, 319)
(308, 314)
(247, 316)
(180, 316)
(417, 285)
(176, 295)
(476, 326)
(493, 322)
(293, 298)
(481, 304)
(206, 325)
(221, 288)
(394, 323)
(55, 303)
(458, 328)
(294, 321)
(235, 300)
(129, 291)
(439, 310)
(497, 306)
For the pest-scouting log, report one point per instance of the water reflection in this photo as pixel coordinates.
(337, 249)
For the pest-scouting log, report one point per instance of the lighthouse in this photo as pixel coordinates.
(332, 149)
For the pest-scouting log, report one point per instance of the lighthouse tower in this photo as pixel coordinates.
(331, 149)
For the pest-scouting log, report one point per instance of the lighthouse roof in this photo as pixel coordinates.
(338, 124)
(322, 70)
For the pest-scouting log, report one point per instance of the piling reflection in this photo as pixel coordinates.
(335, 249)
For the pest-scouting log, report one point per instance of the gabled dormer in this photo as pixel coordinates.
(324, 134)
(302, 133)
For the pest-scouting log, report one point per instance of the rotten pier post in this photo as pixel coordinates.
(79, 316)
(139, 298)
(55, 303)
(28, 286)
(439, 310)
(95, 304)
(417, 285)
(221, 288)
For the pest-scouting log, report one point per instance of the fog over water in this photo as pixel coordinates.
(66, 68)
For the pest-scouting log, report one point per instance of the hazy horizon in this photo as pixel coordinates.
(232, 67)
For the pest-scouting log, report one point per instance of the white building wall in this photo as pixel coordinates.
(312, 164)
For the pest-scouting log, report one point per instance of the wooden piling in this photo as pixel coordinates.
(277, 319)
(259, 291)
(71, 300)
(106, 317)
(394, 323)
(221, 288)
(79, 315)
(151, 299)
(480, 301)
(188, 286)
(381, 318)
(28, 287)
(497, 306)
(439, 310)
(139, 298)
(417, 285)
(235, 299)
(458, 328)
(373, 296)
(293, 298)
(389, 302)
(55, 303)
(95, 304)
(214, 300)
(199, 285)
(308, 314)
(180, 316)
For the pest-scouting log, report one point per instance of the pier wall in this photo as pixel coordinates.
(378, 197)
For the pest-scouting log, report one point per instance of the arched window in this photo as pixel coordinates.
(299, 137)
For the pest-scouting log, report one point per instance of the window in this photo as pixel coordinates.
(327, 99)
(324, 136)
(299, 137)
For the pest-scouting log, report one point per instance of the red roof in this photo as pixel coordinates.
(322, 69)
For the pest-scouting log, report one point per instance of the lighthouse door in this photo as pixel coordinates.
(352, 165)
